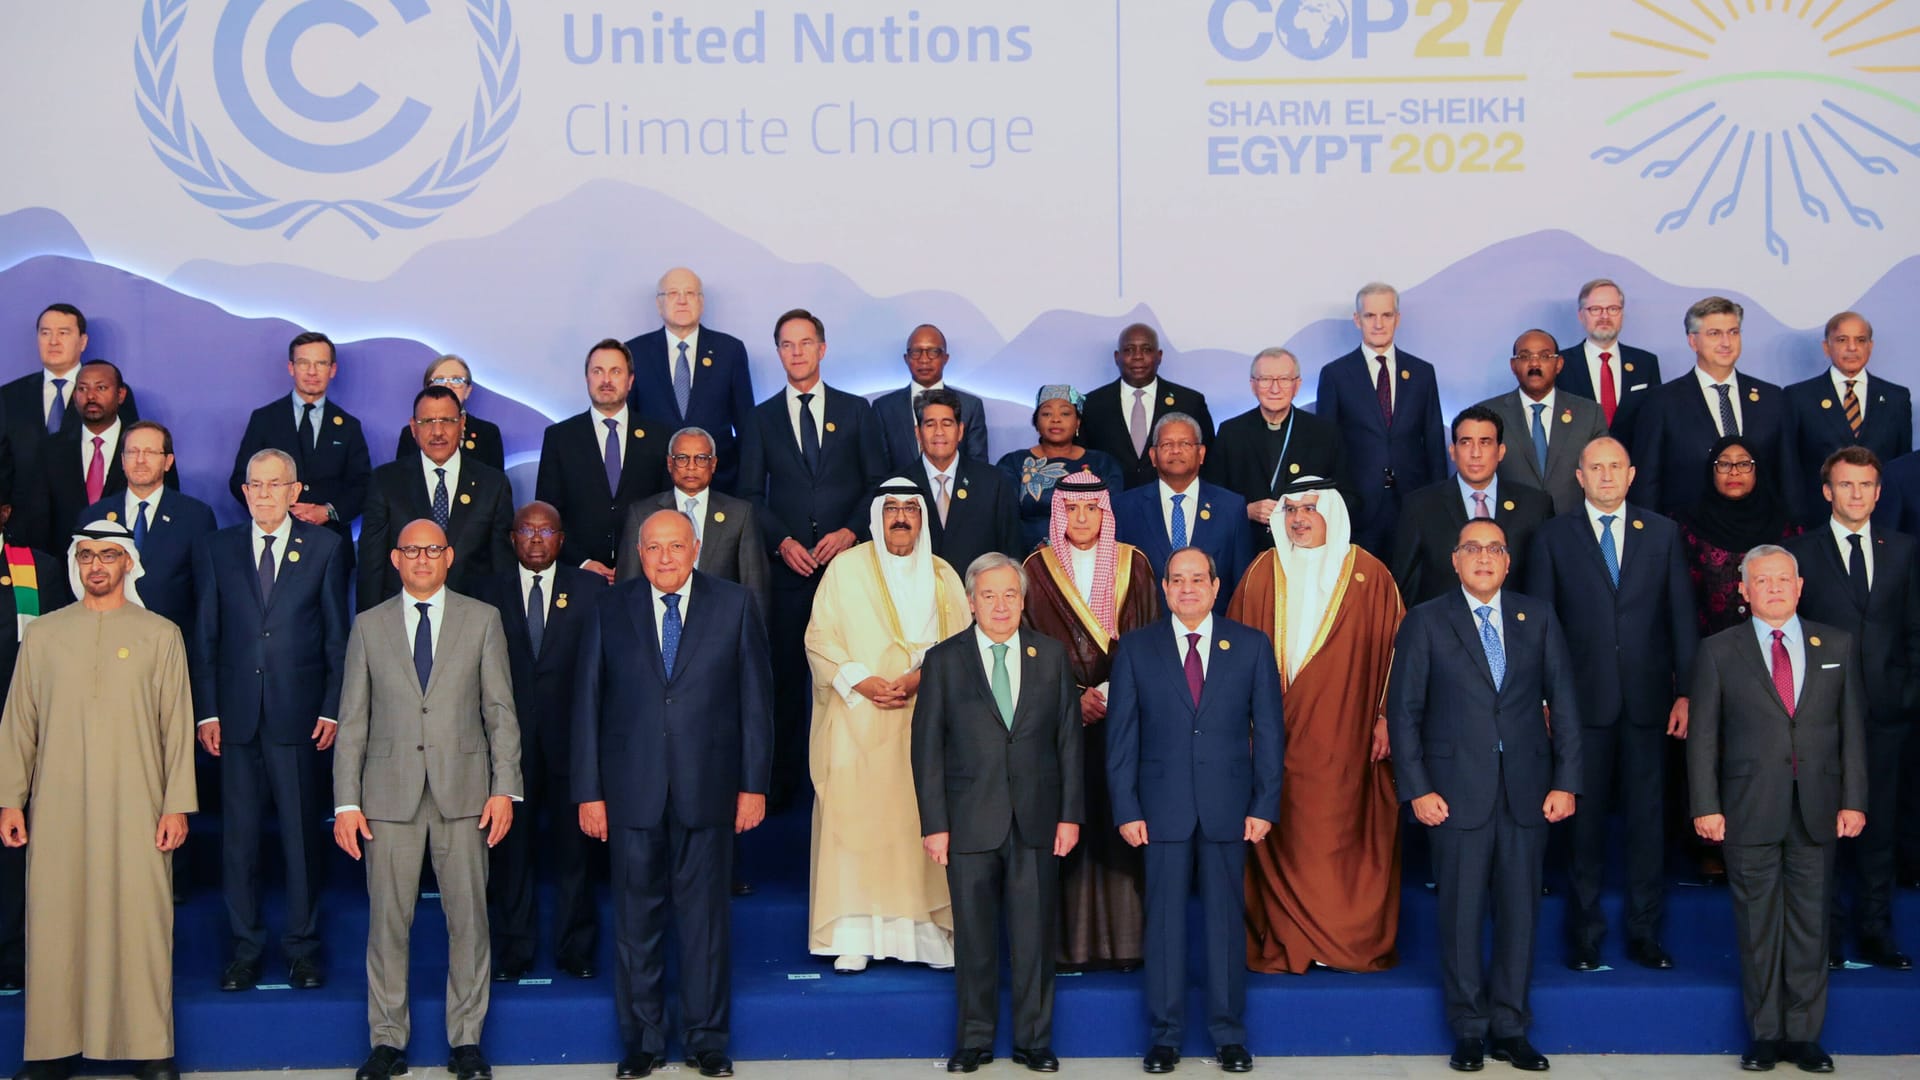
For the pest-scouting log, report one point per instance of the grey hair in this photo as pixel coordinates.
(1374, 288)
(1767, 551)
(1713, 305)
(1599, 283)
(281, 456)
(1176, 418)
(712, 446)
(426, 377)
(995, 560)
(1273, 352)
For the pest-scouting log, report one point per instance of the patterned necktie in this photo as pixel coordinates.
(1851, 402)
(1137, 422)
(57, 408)
(1383, 389)
(693, 515)
(140, 526)
(1728, 424)
(97, 472)
(1857, 570)
(536, 615)
(670, 632)
(941, 498)
(308, 439)
(809, 434)
(682, 381)
(266, 568)
(1002, 684)
(1480, 506)
(1608, 553)
(440, 510)
(1179, 523)
(1539, 434)
(423, 645)
(1783, 676)
(612, 454)
(1490, 643)
(1196, 675)
(1609, 397)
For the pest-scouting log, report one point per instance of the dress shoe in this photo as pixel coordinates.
(1469, 1055)
(637, 1064)
(511, 971)
(467, 1063)
(13, 979)
(1583, 957)
(157, 1069)
(305, 975)
(1836, 957)
(969, 1058)
(1519, 1053)
(1234, 1058)
(711, 1063)
(1881, 952)
(384, 1062)
(1037, 1058)
(1760, 1056)
(1808, 1056)
(849, 965)
(240, 975)
(46, 1069)
(1648, 954)
(578, 969)
(743, 888)
(1160, 1059)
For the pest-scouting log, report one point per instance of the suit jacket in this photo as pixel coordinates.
(269, 670)
(642, 739)
(900, 434)
(167, 586)
(1103, 423)
(55, 594)
(1430, 524)
(1899, 506)
(573, 479)
(483, 443)
(543, 684)
(1632, 646)
(55, 494)
(1215, 524)
(983, 513)
(1576, 423)
(479, 524)
(1675, 431)
(1746, 755)
(731, 546)
(1179, 766)
(980, 780)
(335, 471)
(23, 430)
(720, 400)
(1820, 427)
(1638, 375)
(791, 500)
(1886, 629)
(1248, 460)
(457, 742)
(1447, 723)
(1413, 449)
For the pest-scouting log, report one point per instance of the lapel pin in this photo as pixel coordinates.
(1567, 417)
(114, 515)
(293, 556)
(560, 601)
(166, 519)
(829, 425)
(1169, 399)
(1629, 367)
(1811, 641)
(338, 420)
(1031, 651)
(1294, 468)
(1826, 403)
(1225, 644)
(1753, 395)
(1405, 374)
(719, 515)
(465, 498)
(299, 540)
(123, 653)
(6, 581)
(1638, 524)
(1358, 576)
(1507, 505)
(470, 444)
(1520, 616)
(961, 494)
(639, 433)
(706, 361)
(1205, 513)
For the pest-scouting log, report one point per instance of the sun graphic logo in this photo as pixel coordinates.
(263, 111)
(1793, 105)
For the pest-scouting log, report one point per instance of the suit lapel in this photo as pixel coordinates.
(451, 625)
(1760, 667)
(1025, 709)
(402, 644)
(1173, 659)
(460, 503)
(640, 613)
(291, 566)
(1522, 439)
(1633, 539)
(1467, 629)
(1830, 554)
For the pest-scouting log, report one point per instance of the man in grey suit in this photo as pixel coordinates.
(1777, 767)
(1545, 430)
(926, 358)
(426, 777)
(730, 544)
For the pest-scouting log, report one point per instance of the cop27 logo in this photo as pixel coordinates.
(297, 160)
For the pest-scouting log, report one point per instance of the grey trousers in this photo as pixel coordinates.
(459, 852)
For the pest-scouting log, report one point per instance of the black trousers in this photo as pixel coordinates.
(1501, 860)
(792, 603)
(1023, 883)
(1222, 869)
(689, 869)
(1624, 768)
(1780, 918)
(253, 777)
(13, 913)
(1864, 865)
(550, 814)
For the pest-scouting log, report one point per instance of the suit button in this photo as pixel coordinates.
(423, 710)
(421, 747)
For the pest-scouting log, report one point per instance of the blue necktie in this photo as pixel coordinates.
(140, 526)
(440, 509)
(1179, 523)
(1608, 553)
(613, 455)
(423, 646)
(1539, 438)
(536, 615)
(57, 411)
(682, 381)
(1490, 641)
(670, 632)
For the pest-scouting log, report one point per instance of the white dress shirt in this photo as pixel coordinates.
(1546, 415)
(1205, 644)
(546, 589)
(1840, 389)
(131, 511)
(282, 536)
(1013, 658)
(1622, 378)
(1796, 643)
(1840, 534)
(818, 407)
(660, 609)
(1594, 514)
(620, 420)
(453, 477)
(1152, 393)
(699, 511)
(1473, 609)
(1492, 492)
(436, 615)
(951, 472)
(48, 390)
(1712, 397)
(109, 447)
(1189, 507)
(693, 355)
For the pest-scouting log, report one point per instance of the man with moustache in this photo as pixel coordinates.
(1430, 523)
(899, 410)
(731, 546)
(1846, 405)
(690, 375)
(974, 505)
(595, 464)
(324, 439)
(1604, 370)
(1180, 510)
(1544, 430)
(82, 464)
(1118, 417)
(1258, 453)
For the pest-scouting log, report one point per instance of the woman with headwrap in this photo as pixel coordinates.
(1056, 419)
(1737, 513)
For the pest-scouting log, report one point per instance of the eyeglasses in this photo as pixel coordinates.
(104, 558)
(1545, 354)
(681, 461)
(1177, 444)
(415, 551)
(677, 295)
(264, 487)
(927, 352)
(433, 422)
(1273, 382)
(1609, 310)
(1729, 468)
(528, 532)
(1473, 549)
(141, 452)
(1302, 508)
(451, 380)
(312, 365)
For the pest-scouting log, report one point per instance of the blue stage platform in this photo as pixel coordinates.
(788, 1004)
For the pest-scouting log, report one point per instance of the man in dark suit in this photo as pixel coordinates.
(1181, 510)
(1485, 773)
(24, 596)
(1845, 405)
(687, 374)
(998, 774)
(1777, 770)
(165, 524)
(1423, 549)
(1118, 417)
(1620, 574)
(324, 439)
(1684, 418)
(1899, 510)
(1863, 580)
(1386, 403)
(974, 507)
(1195, 710)
(269, 641)
(899, 414)
(672, 747)
(595, 464)
(1260, 451)
(813, 460)
(80, 465)
(1544, 430)
(470, 500)
(543, 608)
(1616, 376)
(731, 545)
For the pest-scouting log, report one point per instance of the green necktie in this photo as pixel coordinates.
(1002, 685)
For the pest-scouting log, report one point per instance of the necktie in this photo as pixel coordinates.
(423, 645)
(670, 632)
(1783, 676)
(693, 514)
(1857, 570)
(307, 437)
(1609, 397)
(809, 434)
(140, 526)
(682, 381)
(1137, 422)
(1608, 553)
(1728, 425)
(440, 510)
(1490, 642)
(536, 615)
(1539, 434)
(941, 498)
(1383, 389)
(1851, 402)
(1002, 685)
(1480, 505)
(1179, 523)
(57, 409)
(97, 472)
(612, 454)
(1196, 675)
(266, 568)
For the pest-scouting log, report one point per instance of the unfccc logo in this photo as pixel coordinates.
(280, 125)
(1308, 29)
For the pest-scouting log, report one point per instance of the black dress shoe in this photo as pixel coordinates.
(1583, 957)
(579, 969)
(13, 979)
(1760, 1056)
(305, 975)
(1519, 1053)
(1808, 1056)
(511, 971)
(46, 1069)
(969, 1058)
(1469, 1055)
(637, 1064)
(157, 1069)
(384, 1062)
(711, 1063)
(1234, 1058)
(743, 888)
(1836, 957)
(1037, 1058)
(1648, 954)
(467, 1063)
(1160, 1059)
(1880, 952)
(240, 975)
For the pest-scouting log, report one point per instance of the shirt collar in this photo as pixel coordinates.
(680, 497)
(951, 472)
(1706, 380)
(1790, 630)
(819, 393)
(47, 377)
(673, 340)
(1473, 606)
(1840, 381)
(1594, 513)
(280, 534)
(1180, 631)
(1593, 349)
(1492, 492)
(1840, 532)
(300, 404)
(1527, 404)
(1371, 354)
(152, 501)
(547, 577)
(1167, 493)
(436, 601)
(680, 592)
(914, 389)
(986, 643)
(1152, 389)
(600, 419)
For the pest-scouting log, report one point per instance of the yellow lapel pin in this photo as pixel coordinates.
(338, 420)
(1225, 644)
(1567, 417)
(961, 494)
(706, 361)
(1826, 403)
(465, 498)
(1520, 616)
(1405, 374)
(1638, 524)
(1031, 651)
(1507, 504)
(123, 653)
(560, 601)
(1629, 367)
(1294, 468)
(293, 556)
(639, 433)
(719, 515)
(1358, 576)
(1169, 399)
(1814, 641)
(6, 581)
(1753, 395)
(470, 444)
(1205, 514)
(113, 515)
(829, 425)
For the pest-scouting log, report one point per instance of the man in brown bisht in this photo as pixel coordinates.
(1324, 887)
(97, 738)
(1084, 590)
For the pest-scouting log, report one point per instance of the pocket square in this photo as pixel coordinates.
(1636, 386)
(1823, 667)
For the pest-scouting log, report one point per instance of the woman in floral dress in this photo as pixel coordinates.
(1035, 469)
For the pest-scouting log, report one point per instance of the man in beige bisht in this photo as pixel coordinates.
(873, 893)
(98, 739)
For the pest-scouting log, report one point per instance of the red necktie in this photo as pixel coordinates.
(1609, 399)
(1783, 682)
(1194, 675)
(96, 472)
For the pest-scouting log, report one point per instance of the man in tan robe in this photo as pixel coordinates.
(880, 607)
(1324, 887)
(97, 738)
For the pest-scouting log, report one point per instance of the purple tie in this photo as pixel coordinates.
(1195, 677)
(613, 455)
(1383, 389)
